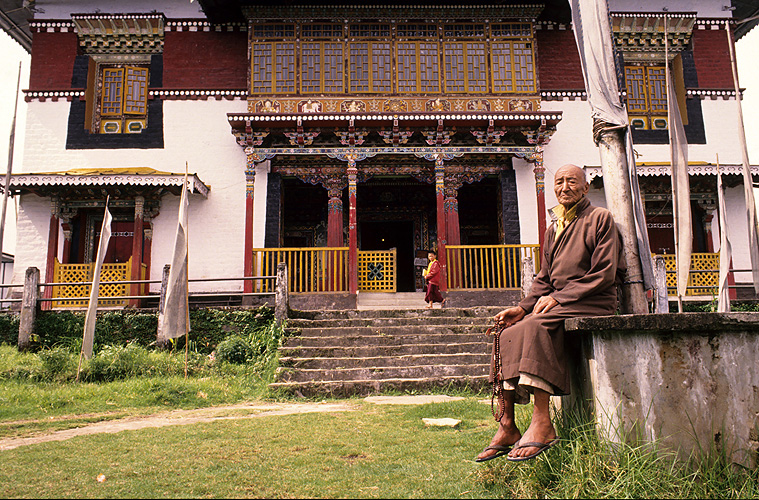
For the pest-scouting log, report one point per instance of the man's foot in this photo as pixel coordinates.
(541, 435)
(429, 306)
(504, 438)
(442, 304)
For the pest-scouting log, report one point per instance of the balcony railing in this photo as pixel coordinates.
(78, 274)
(703, 278)
(318, 269)
(488, 266)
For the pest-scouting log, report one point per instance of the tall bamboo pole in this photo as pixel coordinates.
(10, 164)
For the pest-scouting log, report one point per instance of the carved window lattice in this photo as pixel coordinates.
(646, 96)
(704, 283)
(321, 66)
(273, 67)
(513, 68)
(466, 67)
(418, 67)
(370, 67)
(377, 270)
(77, 273)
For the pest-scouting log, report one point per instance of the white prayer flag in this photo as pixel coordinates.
(681, 211)
(92, 307)
(725, 249)
(590, 21)
(174, 320)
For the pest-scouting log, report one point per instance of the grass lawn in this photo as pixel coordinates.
(367, 451)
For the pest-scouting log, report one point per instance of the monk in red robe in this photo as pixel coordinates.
(582, 264)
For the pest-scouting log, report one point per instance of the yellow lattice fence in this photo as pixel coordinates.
(79, 273)
(317, 269)
(706, 278)
(377, 270)
(488, 266)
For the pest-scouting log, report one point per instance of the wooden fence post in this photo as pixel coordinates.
(29, 306)
(528, 274)
(660, 277)
(281, 295)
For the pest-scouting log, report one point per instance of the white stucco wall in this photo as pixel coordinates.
(705, 8)
(194, 131)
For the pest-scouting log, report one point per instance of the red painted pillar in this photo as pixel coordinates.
(352, 228)
(540, 193)
(66, 257)
(250, 182)
(453, 232)
(52, 253)
(137, 241)
(441, 229)
(335, 218)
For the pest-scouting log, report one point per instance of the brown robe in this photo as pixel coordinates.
(580, 270)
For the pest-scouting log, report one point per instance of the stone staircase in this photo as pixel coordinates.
(361, 352)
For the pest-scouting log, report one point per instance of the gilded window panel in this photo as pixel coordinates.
(333, 67)
(370, 67)
(465, 67)
(501, 67)
(657, 90)
(136, 91)
(111, 95)
(635, 81)
(310, 67)
(429, 67)
(262, 68)
(284, 67)
(524, 69)
(406, 67)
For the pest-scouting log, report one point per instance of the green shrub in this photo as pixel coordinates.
(58, 364)
(235, 349)
(9, 328)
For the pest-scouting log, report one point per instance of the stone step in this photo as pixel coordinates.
(336, 363)
(346, 388)
(390, 331)
(398, 300)
(286, 374)
(374, 339)
(481, 312)
(360, 351)
(382, 322)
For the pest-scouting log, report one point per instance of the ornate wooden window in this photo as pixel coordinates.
(513, 68)
(646, 97)
(321, 67)
(272, 67)
(370, 66)
(418, 67)
(123, 99)
(466, 67)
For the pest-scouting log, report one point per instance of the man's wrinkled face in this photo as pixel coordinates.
(570, 185)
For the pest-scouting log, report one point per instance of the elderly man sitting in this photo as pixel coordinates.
(581, 265)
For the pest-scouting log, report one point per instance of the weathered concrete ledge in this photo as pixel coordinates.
(689, 381)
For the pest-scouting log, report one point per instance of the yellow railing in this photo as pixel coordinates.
(319, 269)
(488, 266)
(377, 270)
(705, 283)
(80, 273)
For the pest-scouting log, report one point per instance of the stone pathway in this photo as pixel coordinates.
(203, 415)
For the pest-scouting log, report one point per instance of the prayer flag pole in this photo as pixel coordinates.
(90, 318)
(10, 164)
(187, 280)
(748, 188)
(725, 248)
(681, 210)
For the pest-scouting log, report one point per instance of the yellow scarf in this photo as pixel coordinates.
(429, 267)
(563, 218)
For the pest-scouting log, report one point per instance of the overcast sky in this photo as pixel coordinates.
(11, 53)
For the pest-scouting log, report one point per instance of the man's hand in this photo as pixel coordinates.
(544, 304)
(509, 316)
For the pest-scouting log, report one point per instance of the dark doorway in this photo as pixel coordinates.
(393, 234)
